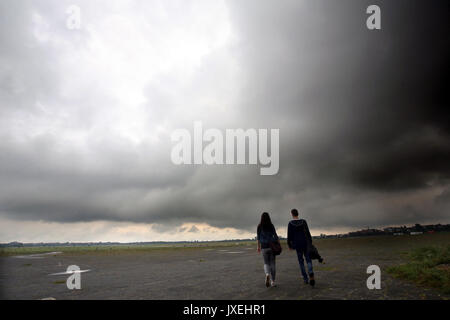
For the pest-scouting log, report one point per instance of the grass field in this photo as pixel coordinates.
(427, 266)
(393, 245)
(117, 249)
(412, 267)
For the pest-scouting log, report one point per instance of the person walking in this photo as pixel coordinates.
(299, 239)
(266, 234)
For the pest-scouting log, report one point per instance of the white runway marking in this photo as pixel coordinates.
(37, 255)
(70, 272)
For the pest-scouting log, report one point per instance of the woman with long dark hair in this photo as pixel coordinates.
(265, 235)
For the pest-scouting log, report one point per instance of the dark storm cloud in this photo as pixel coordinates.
(363, 119)
(374, 106)
(370, 116)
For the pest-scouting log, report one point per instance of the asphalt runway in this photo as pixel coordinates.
(234, 272)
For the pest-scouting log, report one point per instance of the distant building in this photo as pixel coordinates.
(366, 232)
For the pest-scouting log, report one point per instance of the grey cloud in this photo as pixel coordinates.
(363, 119)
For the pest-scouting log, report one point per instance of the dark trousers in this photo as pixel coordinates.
(300, 253)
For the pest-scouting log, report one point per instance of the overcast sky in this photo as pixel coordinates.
(86, 116)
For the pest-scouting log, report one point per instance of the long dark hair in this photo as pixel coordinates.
(266, 223)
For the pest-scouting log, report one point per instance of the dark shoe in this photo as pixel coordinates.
(267, 281)
(306, 281)
(312, 282)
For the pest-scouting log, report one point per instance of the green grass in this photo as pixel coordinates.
(380, 246)
(428, 266)
(120, 249)
(397, 244)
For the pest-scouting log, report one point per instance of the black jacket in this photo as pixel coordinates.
(299, 236)
(265, 237)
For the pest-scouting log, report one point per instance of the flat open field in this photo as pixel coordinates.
(213, 271)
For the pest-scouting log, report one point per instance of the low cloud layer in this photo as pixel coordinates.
(86, 115)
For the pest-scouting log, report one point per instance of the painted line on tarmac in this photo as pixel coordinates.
(68, 272)
(37, 255)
